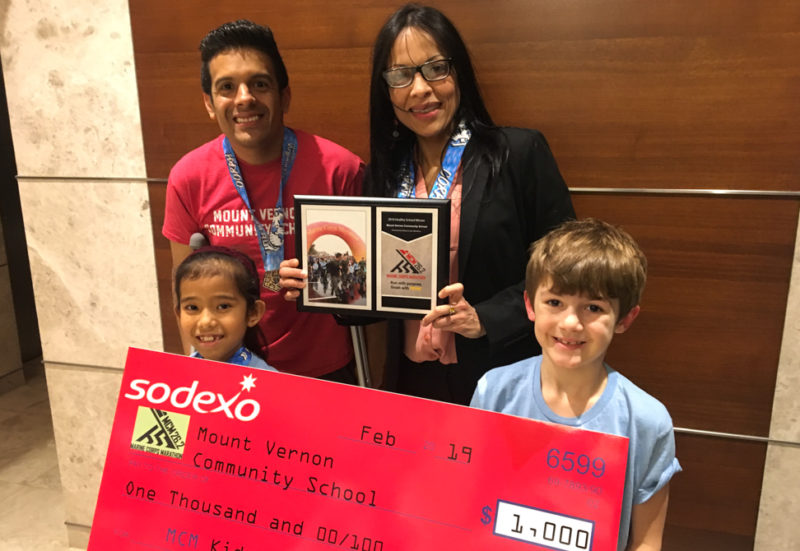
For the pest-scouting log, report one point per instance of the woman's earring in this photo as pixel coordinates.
(396, 131)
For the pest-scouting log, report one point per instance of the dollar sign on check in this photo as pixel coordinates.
(486, 514)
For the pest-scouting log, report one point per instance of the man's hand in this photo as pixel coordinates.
(458, 316)
(293, 279)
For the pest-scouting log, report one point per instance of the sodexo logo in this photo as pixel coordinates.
(185, 396)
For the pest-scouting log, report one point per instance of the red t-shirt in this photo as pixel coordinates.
(201, 198)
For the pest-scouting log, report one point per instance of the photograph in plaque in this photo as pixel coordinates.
(336, 245)
(372, 256)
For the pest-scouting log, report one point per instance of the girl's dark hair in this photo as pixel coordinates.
(212, 261)
(387, 152)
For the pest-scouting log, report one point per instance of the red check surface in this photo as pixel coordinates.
(212, 456)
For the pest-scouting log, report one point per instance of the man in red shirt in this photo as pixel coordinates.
(238, 189)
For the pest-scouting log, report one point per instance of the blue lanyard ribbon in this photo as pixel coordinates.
(270, 239)
(240, 357)
(452, 158)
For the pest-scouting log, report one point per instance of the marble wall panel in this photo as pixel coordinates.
(10, 358)
(82, 403)
(74, 114)
(71, 88)
(24, 504)
(786, 407)
(91, 252)
(78, 536)
(780, 503)
(30, 489)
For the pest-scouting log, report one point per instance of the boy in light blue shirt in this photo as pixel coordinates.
(583, 285)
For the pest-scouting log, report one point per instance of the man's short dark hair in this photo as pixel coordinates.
(241, 35)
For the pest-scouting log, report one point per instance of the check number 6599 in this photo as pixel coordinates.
(580, 463)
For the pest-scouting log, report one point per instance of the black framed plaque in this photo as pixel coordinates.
(372, 256)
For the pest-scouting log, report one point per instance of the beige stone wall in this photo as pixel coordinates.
(780, 504)
(74, 113)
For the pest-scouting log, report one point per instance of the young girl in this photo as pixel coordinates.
(218, 306)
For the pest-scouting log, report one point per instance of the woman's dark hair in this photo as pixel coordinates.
(387, 152)
(241, 35)
(212, 261)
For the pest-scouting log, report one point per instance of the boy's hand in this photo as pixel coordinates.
(458, 316)
(292, 278)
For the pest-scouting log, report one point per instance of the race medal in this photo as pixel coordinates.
(270, 238)
(272, 280)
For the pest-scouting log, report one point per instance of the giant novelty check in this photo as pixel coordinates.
(218, 457)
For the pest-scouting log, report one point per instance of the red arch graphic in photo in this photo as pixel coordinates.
(357, 247)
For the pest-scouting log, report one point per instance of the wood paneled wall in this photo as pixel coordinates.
(688, 94)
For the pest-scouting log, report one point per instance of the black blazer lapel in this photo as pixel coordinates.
(473, 183)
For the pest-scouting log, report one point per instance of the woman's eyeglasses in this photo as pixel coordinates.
(400, 77)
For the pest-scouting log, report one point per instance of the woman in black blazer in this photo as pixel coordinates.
(505, 189)
(431, 136)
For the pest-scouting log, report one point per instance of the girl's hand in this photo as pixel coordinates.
(293, 279)
(458, 316)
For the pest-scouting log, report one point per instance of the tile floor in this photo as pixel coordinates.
(31, 507)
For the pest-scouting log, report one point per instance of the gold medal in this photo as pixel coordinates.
(272, 280)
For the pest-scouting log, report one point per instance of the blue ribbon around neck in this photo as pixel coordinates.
(270, 240)
(452, 158)
(240, 357)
